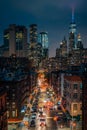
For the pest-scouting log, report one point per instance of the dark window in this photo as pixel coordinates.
(75, 86)
(75, 95)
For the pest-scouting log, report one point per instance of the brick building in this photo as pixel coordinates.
(3, 109)
(73, 94)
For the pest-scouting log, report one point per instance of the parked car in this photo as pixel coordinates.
(32, 124)
(43, 122)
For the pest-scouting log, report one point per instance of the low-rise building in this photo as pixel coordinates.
(73, 94)
(15, 79)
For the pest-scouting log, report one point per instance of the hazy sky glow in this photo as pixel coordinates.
(53, 16)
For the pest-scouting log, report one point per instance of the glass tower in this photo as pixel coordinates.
(72, 33)
(43, 40)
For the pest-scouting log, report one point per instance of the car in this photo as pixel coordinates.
(42, 122)
(32, 123)
(33, 109)
(51, 108)
(34, 115)
(60, 114)
(41, 115)
(61, 126)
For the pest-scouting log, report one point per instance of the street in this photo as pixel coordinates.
(44, 107)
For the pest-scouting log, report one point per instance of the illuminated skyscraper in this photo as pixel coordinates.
(63, 47)
(72, 33)
(79, 42)
(43, 40)
(15, 40)
(35, 49)
(33, 35)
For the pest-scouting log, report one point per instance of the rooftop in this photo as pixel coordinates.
(73, 78)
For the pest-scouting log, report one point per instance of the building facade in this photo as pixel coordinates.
(3, 109)
(84, 98)
(72, 34)
(43, 40)
(32, 51)
(15, 79)
(73, 94)
(15, 41)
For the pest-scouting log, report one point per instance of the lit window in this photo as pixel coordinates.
(75, 106)
(81, 86)
(7, 103)
(13, 106)
(7, 113)
(13, 114)
(13, 103)
(13, 95)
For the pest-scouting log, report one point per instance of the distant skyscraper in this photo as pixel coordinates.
(63, 47)
(35, 49)
(43, 40)
(15, 40)
(72, 33)
(79, 42)
(33, 34)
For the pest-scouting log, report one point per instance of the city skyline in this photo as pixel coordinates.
(52, 17)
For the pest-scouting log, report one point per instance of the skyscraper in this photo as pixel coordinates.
(15, 40)
(43, 40)
(35, 49)
(63, 47)
(33, 34)
(79, 42)
(72, 33)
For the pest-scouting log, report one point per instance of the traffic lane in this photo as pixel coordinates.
(50, 123)
(22, 128)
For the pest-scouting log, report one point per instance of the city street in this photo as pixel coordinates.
(45, 107)
(47, 104)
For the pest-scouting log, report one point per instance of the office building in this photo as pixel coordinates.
(43, 40)
(79, 42)
(35, 48)
(72, 34)
(33, 34)
(63, 48)
(15, 41)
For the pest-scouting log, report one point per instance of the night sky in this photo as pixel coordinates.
(53, 16)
